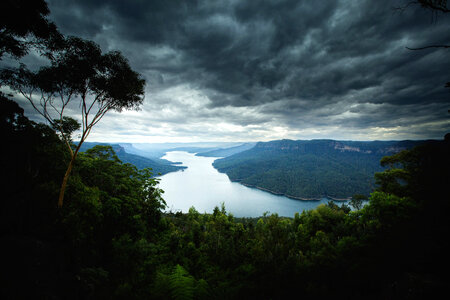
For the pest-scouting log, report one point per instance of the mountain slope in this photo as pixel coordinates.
(225, 152)
(311, 169)
(157, 150)
(159, 166)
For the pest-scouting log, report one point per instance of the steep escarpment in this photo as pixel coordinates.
(311, 169)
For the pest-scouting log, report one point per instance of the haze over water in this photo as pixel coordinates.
(202, 186)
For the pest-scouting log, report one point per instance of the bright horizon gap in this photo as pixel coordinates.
(248, 141)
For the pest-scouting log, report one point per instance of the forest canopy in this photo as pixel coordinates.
(113, 240)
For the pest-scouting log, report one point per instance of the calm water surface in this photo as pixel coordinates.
(202, 186)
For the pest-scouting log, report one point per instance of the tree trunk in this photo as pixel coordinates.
(64, 182)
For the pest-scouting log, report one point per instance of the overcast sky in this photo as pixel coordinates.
(264, 70)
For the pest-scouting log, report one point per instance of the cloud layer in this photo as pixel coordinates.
(261, 70)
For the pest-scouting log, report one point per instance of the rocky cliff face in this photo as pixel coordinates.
(330, 146)
(311, 169)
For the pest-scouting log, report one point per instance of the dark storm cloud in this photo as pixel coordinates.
(318, 59)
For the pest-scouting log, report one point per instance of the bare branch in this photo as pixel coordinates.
(92, 104)
(402, 8)
(56, 110)
(100, 116)
(83, 113)
(30, 99)
(71, 77)
(426, 47)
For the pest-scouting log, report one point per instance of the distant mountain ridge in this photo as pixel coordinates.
(157, 150)
(225, 152)
(311, 169)
(331, 146)
(159, 166)
(147, 155)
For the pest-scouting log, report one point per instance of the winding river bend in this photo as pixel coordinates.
(202, 186)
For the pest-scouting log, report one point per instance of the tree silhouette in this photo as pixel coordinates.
(23, 24)
(78, 74)
(436, 5)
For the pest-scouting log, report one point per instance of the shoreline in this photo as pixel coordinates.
(290, 196)
(283, 194)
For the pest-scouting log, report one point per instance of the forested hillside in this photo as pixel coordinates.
(111, 240)
(157, 150)
(311, 169)
(158, 166)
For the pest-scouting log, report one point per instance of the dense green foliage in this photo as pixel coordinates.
(101, 237)
(77, 72)
(112, 241)
(311, 169)
(159, 166)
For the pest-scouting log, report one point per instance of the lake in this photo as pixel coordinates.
(202, 186)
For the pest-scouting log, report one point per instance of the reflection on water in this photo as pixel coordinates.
(203, 187)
